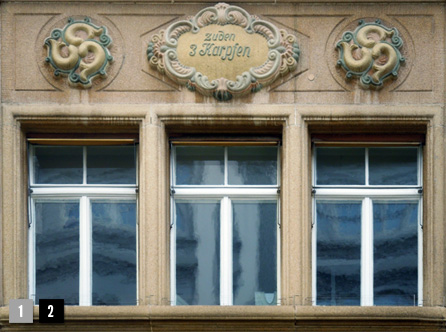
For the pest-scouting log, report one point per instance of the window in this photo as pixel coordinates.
(83, 224)
(224, 225)
(367, 229)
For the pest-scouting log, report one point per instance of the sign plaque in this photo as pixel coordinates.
(223, 52)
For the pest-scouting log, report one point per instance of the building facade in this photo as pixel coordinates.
(247, 166)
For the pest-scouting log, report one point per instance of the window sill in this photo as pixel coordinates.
(238, 318)
(243, 313)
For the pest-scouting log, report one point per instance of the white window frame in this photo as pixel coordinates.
(366, 194)
(85, 194)
(224, 194)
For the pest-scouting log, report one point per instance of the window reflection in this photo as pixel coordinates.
(252, 165)
(254, 253)
(338, 252)
(395, 252)
(114, 253)
(200, 165)
(198, 253)
(57, 251)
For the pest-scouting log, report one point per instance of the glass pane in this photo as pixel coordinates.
(57, 251)
(340, 166)
(111, 165)
(338, 252)
(395, 231)
(251, 165)
(203, 165)
(58, 164)
(198, 253)
(114, 252)
(393, 166)
(254, 245)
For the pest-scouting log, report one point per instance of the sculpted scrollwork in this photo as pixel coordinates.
(281, 55)
(80, 51)
(371, 52)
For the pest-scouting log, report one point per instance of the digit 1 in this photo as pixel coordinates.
(21, 310)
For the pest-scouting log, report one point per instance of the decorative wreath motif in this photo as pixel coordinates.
(283, 53)
(80, 51)
(371, 52)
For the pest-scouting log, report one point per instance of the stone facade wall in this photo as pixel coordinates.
(133, 97)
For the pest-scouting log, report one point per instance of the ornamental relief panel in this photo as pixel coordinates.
(371, 54)
(223, 52)
(80, 53)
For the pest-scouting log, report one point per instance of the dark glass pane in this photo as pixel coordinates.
(254, 247)
(58, 164)
(340, 166)
(393, 166)
(111, 165)
(199, 165)
(338, 252)
(198, 253)
(57, 251)
(395, 232)
(252, 165)
(114, 253)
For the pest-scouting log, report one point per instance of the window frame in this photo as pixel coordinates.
(223, 194)
(85, 194)
(367, 194)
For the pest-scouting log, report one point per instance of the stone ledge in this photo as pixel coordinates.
(239, 319)
(245, 313)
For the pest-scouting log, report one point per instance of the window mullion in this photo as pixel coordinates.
(226, 181)
(32, 253)
(420, 252)
(226, 252)
(85, 250)
(367, 166)
(367, 253)
(84, 163)
(314, 253)
(31, 164)
(173, 252)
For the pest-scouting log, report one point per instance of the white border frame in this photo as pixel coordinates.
(367, 194)
(225, 194)
(84, 194)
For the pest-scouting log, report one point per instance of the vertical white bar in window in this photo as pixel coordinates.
(226, 252)
(314, 168)
(420, 252)
(366, 166)
(278, 241)
(84, 165)
(85, 268)
(31, 163)
(226, 166)
(314, 253)
(138, 300)
(173, 165)
(32, 254)
(367, 253)
(173, 254)
(278, 168)
(420, 167)
(137, 168)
